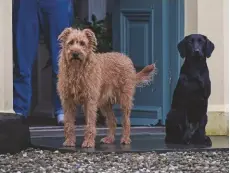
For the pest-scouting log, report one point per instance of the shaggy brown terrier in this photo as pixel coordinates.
(96, 81)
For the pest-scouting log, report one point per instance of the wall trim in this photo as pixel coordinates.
(218, 108)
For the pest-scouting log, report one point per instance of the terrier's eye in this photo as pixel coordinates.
(82, 43)
(71, 42)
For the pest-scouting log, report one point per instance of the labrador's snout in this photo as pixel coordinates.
(197, 52)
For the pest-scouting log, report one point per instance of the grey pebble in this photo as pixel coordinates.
(39, 161)
(80, 170)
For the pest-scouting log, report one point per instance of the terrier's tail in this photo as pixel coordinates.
(146, 75)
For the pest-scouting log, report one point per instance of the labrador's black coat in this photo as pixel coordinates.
(187, 118)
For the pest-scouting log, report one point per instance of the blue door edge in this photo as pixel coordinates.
(175, 32)
(173, 11)
(177, 16)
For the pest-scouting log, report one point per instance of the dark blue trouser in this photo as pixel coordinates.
(29, 18)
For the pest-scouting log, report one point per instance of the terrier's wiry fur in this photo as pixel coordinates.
(96, 81)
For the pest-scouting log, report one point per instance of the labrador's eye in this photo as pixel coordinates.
(82, 43)
(191, 41)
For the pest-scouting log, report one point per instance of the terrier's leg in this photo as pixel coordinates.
(69, 124)
(90, 110)
(111, 122)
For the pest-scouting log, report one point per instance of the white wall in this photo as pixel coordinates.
(210, 17)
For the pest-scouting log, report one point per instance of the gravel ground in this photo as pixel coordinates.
(45, 161)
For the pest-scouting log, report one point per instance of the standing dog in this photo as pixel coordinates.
(96, 81)
(187, 118)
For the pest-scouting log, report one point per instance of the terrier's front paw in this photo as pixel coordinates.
(125, 141)
(107, 140)
(69, 143)
(88, 143)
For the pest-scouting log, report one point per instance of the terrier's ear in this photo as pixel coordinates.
(92, 39)
(62, 37)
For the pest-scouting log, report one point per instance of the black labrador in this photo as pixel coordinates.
(187, 119)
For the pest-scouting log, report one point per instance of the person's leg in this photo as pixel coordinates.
(57, 15)
(25, 44)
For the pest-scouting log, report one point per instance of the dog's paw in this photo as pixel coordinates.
(187, 137)
(88, 144)
(69, 143)
(107, 140)
(202, 140)
(125, 141)
(186, 142)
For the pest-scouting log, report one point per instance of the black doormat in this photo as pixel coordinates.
(141, 142)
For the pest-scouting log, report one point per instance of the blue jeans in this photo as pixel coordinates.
(29, 18)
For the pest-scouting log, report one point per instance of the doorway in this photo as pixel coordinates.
(148, 31)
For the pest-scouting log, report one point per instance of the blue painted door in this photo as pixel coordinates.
(141, 31)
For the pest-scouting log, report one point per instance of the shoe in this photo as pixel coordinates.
(22, 117)
(60, 120)
(19, 114)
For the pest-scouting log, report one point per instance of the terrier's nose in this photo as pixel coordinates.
(75, 55)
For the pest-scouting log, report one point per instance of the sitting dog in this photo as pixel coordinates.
(186, 121)
(96, 81)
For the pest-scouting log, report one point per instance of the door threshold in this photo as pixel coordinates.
(58, 131)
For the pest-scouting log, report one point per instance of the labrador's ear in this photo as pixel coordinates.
(209, 47)
(182, 47)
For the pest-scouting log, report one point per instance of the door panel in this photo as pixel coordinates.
(140, 30)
